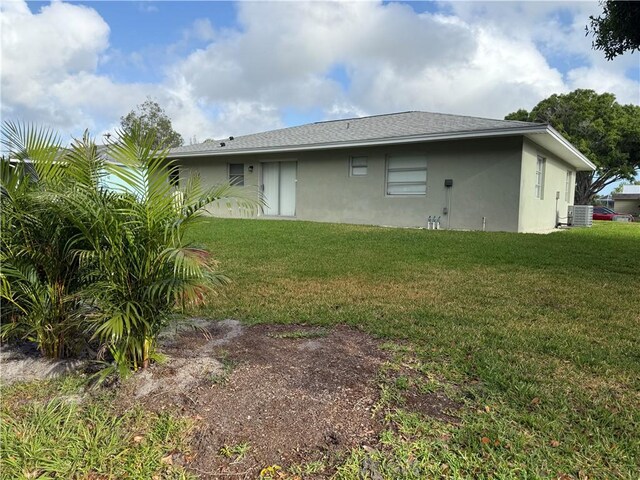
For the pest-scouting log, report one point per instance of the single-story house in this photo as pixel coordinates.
(400, 169)
(627, 201)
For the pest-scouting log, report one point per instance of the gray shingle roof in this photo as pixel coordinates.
(377, 127)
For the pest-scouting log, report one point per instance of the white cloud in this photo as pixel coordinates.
(203, 30)
(484, 59)
(559, 29)
(601, 80)
(49, 65)
(49, 60)
(395, 60)
(41, 49)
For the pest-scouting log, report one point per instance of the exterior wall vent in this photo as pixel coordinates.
(581, 215)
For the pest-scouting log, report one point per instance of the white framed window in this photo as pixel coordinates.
(406, 175)
(236, 174)
(567, 186)
(540, 176)
(358, 166)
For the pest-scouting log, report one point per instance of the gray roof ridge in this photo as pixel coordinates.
(371, 116)
(403, 124)
(362, 118)
(480, 118)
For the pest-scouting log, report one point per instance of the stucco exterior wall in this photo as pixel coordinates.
(485, 173)
(539, 214)
(215, 170)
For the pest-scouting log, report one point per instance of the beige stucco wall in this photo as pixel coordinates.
(539, 214)
(215, 170)
(486, 183)
(475, 167)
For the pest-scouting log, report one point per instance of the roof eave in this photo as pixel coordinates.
(568, 152)
(366, 143)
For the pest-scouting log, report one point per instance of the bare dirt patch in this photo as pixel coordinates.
(266, 394)
(435, 405)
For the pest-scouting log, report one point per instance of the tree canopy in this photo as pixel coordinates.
(150, 117)
(606, 132)
(616, 30)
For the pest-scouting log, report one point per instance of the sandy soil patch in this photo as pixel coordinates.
(26, 365)
(289, 394)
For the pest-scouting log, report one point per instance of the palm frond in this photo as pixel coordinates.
(39, 146)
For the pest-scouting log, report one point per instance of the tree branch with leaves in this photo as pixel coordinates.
(606, 132)
(616, 30)
(150, 118)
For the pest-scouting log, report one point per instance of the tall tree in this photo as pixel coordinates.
(616, 30)
(603, 130)
(150, 117)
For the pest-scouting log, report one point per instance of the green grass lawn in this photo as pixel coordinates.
(539, 335)
(536, 336)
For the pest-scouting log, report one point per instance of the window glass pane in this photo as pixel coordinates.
(271, 181)
(539, 177)
(406, 189)
(358, 166)
(236, 169)
(359, 161)
(174, 176)
(236, 174)
(407, 162)
(237, 180)
(407, 176)
(287, 189)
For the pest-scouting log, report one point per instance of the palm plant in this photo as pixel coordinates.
(39, 276)
(128, 247)
(142, 268)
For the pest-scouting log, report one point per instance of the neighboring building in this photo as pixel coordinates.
(627, 201)
(399, 169)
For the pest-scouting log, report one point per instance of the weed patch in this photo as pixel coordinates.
(296, 334)
(57, 438)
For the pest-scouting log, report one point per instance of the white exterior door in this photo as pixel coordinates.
(279, 188)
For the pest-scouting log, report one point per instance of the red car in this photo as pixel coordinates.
(604, 213)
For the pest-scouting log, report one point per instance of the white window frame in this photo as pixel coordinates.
(235, 179)
(567, 186)
(357, 163)
(540, 168)
(389, 169)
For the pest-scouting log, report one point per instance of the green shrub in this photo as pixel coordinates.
(82, 261)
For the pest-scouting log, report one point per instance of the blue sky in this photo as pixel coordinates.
(229, 68)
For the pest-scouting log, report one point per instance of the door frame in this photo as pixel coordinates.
(295, 185)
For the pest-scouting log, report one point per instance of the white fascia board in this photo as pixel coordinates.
(366, 143)
(553, 141)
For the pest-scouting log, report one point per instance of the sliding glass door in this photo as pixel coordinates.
(279, 188)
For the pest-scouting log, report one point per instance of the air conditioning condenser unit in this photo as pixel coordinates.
(581, 215)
